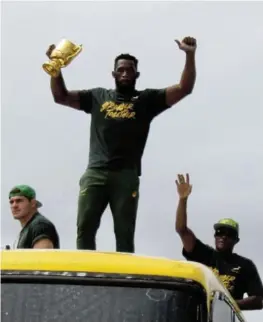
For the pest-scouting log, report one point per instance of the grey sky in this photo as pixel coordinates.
(215, 134)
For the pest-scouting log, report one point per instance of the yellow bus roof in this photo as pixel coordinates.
(110, 263)
(99, 262)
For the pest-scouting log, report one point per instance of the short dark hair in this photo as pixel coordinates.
(126, 57)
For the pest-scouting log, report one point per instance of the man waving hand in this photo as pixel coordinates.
(242, 275)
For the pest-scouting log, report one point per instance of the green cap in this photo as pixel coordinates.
(24, 191)
(227, 223)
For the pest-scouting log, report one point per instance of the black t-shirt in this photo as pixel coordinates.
(120, 125)
(238, 274)
(38, 227)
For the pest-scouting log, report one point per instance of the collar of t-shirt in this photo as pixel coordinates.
(125, 97)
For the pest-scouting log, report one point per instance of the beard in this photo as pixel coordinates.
(125, 88)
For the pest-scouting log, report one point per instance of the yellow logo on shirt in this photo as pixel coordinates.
(227, 280)
(118, 111)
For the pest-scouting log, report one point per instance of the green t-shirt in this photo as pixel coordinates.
(38, 227)
(120, 125)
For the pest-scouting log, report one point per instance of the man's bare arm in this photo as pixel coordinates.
(251, 303)
(177, 92)
(61, 95)
(44, 243)
(187, 236)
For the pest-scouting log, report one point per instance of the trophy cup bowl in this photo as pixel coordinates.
(61, 57)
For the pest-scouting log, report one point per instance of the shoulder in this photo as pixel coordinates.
(152, 91)
(242, 259)
(42, 221)
(245, 262)
(151, 96)
(199, 243)
(93, 91)
(102, 94)
(156, 99)
(201, 252)
(101, 90)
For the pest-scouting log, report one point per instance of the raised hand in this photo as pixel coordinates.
(184, 188)
(188, 44)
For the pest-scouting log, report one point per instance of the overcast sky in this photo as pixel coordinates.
(215, 134)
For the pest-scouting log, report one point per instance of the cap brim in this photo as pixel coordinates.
(39, 204)
(218, 226)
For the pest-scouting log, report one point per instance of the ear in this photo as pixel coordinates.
(33, 203)
(113, 74)
(137, 75)
(237, 240)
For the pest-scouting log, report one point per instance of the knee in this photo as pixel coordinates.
(87, 218)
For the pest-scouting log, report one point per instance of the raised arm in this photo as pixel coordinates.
(61, 95)
(184, 189)
(177, 92)
(59, 90)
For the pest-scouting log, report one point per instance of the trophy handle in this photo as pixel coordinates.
(77, 50)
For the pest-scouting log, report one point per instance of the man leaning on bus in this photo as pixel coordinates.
(239, 274)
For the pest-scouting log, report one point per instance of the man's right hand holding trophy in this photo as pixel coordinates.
(60, 56)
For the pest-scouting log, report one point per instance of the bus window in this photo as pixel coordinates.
(25, 302)
(222, 312)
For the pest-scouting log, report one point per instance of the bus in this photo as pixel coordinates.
(91, 286)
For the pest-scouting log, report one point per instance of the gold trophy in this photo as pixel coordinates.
(61, 56)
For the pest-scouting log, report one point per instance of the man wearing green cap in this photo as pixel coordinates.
(37, 231)
(238, 274)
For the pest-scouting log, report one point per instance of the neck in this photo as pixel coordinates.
(125, 90)
(225, 253)
(25, 220)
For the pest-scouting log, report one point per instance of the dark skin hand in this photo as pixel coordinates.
(184, 189)
(177, 92)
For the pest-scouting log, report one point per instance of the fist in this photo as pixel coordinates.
(188, 44)
(50, 49)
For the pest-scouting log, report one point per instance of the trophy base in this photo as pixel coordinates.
(51, 70)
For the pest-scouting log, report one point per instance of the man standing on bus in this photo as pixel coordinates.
(120, 124)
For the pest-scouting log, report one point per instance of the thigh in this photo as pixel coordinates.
(124, 197)
(93, 195)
